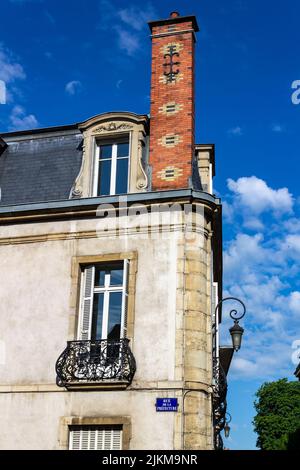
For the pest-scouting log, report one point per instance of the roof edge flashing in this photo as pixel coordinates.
(121, 199)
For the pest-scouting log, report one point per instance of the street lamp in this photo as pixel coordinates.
(227, 427)
(236, 331)
(220, 420)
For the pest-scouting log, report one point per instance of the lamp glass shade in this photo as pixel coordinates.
(236, 332)
(226, 430)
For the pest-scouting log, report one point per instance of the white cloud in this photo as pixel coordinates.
(291, 246)
(136, 17)
(20, 120)
(263, 270)
(10, 70)
(255, 195)
(244, 367)
(277, 128)
(263, 360)
(2, 92)
(228, 211)
(126, 22)
(73, 87)
(292, 225)
(253, 223)
(294, 302)
(128, 42)
(235, 131)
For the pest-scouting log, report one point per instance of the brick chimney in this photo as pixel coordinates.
(172, 101)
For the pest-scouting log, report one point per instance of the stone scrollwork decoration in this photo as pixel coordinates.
(112, 126)
(76, 193)
(142, 179)
(77, 190)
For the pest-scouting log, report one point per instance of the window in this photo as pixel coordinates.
(95, 437)
(94, 433)
(111, 168)
(100, 352)
(104, 302)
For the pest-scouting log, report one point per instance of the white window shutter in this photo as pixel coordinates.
(99, 438)
(214, 299)
(75, 440)
(88, 279)
(123, 333)
(116, 439)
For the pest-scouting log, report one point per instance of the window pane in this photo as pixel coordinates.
(104, 177)
(105, 151)
(116, 275)
(99, 276)
(97, 317)
(123, 150)
(114, 315)
(122, 176)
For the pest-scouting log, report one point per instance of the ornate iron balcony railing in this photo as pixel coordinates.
(219, 403)
(92, 362)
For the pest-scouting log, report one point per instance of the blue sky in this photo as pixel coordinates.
(66, 61)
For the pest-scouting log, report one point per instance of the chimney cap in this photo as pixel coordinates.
(174, 20)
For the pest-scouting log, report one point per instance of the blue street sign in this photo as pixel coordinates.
(166, 404)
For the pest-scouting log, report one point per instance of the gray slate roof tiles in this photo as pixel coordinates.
(39, 169)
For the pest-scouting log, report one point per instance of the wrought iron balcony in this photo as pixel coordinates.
(88, 363)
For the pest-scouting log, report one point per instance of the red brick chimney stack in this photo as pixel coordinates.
(172, 101)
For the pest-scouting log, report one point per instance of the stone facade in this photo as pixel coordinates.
(169, 332)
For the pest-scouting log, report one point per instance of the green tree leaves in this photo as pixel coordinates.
(277, 422)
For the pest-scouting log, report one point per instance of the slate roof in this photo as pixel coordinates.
(39, 167)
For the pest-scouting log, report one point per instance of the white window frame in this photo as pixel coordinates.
(105, 290)
(113, 174)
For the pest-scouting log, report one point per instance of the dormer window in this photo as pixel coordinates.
(115, 155)
(111, 167)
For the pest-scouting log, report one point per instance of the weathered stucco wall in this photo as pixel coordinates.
(32, 420)
(171, 339)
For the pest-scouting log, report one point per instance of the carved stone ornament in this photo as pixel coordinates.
(112, 126)
(142, 179)
(76, 193)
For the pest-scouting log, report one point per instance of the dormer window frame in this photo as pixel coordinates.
(112, 140)
(111, 127)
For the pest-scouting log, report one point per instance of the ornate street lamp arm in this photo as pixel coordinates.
(234, 314)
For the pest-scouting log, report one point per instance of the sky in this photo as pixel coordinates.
(63, 62)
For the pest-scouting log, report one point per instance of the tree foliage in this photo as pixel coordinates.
(277, 422)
